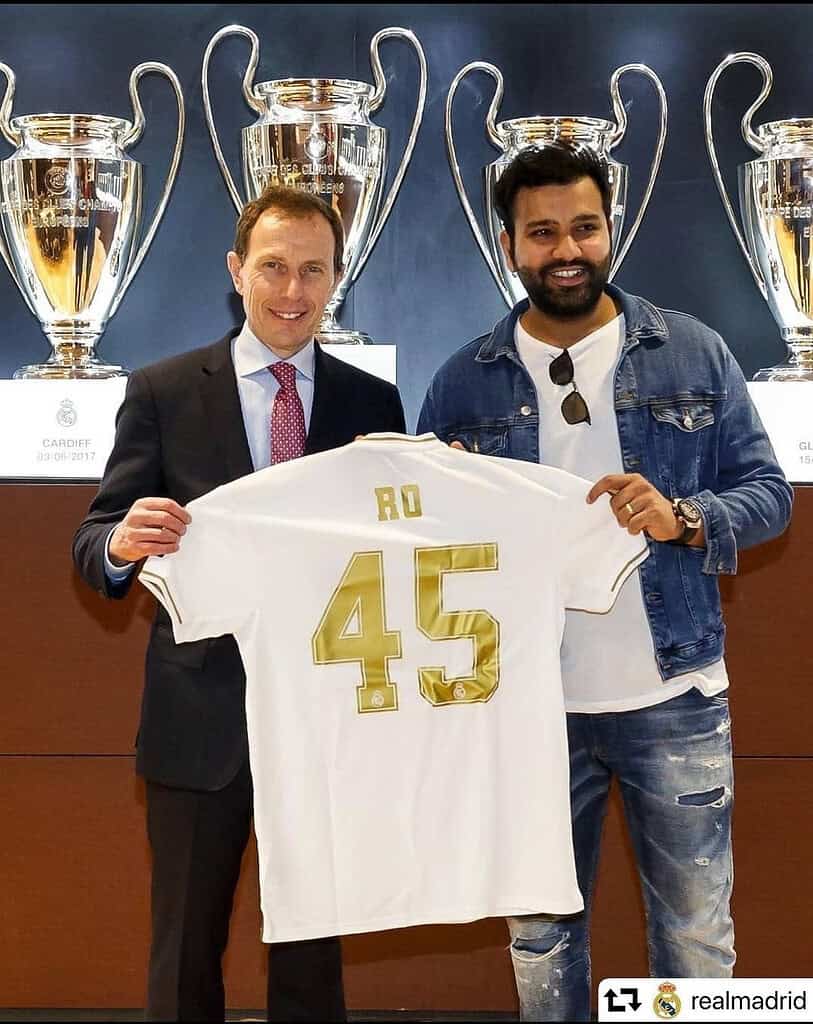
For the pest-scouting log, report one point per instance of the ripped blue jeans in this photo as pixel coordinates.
(674, 765)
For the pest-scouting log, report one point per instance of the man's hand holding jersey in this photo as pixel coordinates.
(641, 508)
(152, 526)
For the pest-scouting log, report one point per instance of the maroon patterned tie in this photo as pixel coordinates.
(287, 417)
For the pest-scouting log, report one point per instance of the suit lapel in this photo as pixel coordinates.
(325, 401)
(224, 414)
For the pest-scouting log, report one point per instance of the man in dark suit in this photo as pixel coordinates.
(261, 395)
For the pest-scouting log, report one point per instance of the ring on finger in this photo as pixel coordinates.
(629, 508)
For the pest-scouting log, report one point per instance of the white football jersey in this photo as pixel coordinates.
(399, 606)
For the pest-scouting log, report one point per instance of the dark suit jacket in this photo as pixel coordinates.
(179, 434)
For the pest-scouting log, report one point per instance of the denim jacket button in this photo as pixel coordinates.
(720, 567)
(687, 420)
(526, 410)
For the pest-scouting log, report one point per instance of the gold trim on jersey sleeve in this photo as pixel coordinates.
(160, 588)
(633, 563)
(612, 593)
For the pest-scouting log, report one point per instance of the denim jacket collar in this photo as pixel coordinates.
(642, 320)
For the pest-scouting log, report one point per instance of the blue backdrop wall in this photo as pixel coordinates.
(426, 288)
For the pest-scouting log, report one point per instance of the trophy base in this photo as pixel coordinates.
(70, 371)
(784, 373)
(73, 356)
(799, 367)
(799, 364)
(339, 336)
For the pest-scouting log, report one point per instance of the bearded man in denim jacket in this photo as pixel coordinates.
(651, 405)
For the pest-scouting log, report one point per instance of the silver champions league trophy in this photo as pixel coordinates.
(316, 134)
(776, 203)
(512, 136)
(70, 201)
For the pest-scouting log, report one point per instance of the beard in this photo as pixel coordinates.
(565, 303)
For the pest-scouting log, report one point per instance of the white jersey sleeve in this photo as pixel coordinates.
(597, 553)
(206, 586)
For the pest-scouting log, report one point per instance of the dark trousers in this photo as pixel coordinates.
(197, 840)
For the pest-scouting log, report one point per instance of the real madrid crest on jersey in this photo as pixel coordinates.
(66, 414)
(667, 1002)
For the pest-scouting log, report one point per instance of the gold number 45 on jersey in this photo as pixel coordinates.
(354, 628)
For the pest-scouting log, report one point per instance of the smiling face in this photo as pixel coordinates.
(561, 249)
(286, 279)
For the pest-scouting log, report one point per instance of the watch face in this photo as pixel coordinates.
(690, 513)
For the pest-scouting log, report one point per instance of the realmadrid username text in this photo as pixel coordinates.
(745, 1002)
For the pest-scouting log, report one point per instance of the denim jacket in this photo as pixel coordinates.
(685, 422)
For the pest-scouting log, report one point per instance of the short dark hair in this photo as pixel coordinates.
(295, 203)
(557, 163)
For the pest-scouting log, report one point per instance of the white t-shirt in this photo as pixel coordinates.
(398, 606)
(608, 660)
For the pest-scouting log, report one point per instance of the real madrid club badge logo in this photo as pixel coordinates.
(56, 180)
(667, 1002)
(66, 414)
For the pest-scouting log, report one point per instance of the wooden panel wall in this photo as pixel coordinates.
(74, 863)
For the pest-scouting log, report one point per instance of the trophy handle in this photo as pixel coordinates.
(15, 138)
(130, 139)
(497, 139)
(375, 102)
(248, 93)
(749, 136)
(621, 120)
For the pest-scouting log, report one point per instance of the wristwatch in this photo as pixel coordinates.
(688, 513)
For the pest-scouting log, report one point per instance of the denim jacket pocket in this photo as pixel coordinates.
(485, 440)
(688, 416)
(682, 430)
